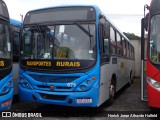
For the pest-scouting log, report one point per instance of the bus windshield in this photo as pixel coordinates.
(5, 43)
(71, 41)
(154, 44)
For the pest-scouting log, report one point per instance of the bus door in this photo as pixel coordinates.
(144, 23)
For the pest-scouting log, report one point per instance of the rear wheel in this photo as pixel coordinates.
(131, 79)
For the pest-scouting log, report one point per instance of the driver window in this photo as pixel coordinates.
(106, 38)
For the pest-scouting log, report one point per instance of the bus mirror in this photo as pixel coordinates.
(146, 22)
(102, 20)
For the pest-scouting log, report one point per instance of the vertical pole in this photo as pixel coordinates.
(142, 58)
(21, 18)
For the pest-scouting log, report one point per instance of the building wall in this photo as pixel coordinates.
(137, 48)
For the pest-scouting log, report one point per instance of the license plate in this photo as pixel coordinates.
(84, 100)
(5, 103)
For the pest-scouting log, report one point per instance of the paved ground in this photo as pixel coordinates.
(127, 103)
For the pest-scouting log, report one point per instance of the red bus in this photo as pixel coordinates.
(150, 54)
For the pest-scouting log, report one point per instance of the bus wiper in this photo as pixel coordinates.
(83, 29)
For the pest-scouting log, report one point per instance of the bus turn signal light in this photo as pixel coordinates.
(93, 78)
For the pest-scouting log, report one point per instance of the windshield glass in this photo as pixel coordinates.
(75, 41)
(5, 43)
(154, 42)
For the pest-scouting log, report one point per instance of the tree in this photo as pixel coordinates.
(131, 36)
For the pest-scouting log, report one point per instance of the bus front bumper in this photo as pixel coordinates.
(87, 98)
(6, 100)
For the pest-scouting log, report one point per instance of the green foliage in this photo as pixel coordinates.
(131, 36)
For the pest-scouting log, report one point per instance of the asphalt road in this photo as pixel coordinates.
(127, 105)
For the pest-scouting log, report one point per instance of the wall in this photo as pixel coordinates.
(137, 48)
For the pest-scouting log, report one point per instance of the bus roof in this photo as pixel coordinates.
(3, 9)
(15, 22)
(62, 13)
(154, 7)
(65, 6)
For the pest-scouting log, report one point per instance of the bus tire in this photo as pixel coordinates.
(131, 78)
(112, 91)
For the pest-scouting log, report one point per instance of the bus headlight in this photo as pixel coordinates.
(9, 83)
(154, 83)
(21, 79)
(6, 87)
(86, 84)
(24, 83)
(82, 87)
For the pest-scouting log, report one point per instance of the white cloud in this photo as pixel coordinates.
(17, 7)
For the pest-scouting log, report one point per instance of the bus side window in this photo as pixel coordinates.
(124, 47)
(113, 40)
(127, 49)
(105, 41)
(130, 52)
(119, 44)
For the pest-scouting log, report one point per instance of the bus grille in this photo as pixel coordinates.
(53, 97)
(54, 79)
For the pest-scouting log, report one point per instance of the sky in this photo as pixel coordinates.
(125, 14)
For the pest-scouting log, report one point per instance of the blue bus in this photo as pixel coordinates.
(73, 56)
(15, 27)
(6, 83)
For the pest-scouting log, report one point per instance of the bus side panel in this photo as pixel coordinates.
(115, 71)
(128, 69)
(105, 76)
(121, 81)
